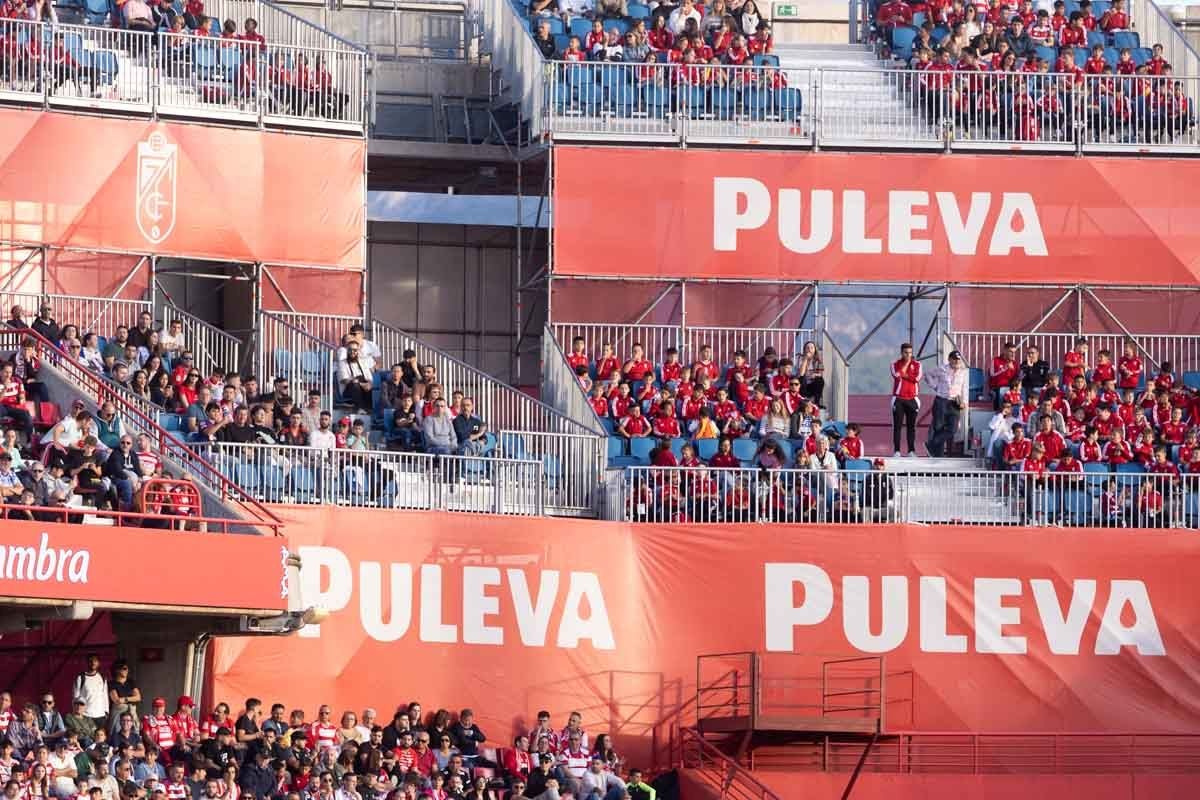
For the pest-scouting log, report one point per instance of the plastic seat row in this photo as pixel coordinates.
(652, 100)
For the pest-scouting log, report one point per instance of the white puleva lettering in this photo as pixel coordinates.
(745, 204)
(386, 613)
(993, 624)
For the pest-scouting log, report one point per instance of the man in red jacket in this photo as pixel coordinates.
(906, 383)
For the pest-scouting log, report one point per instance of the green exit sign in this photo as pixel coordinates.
(785, 11)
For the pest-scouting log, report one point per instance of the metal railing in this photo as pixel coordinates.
(573, 454)
(1154, 26)
(100, 315)
(726, 775)
(316, 85)
(561, 387)
(329, 328)
(394, 29)
(278, 24)
(210, 346)
(382, 479)
(687, 339)
(1083, 753)
(836, 398)
(1126, 498)
(511, 51)
(308, 362)
(903, 108)
(978, 348)
(653, 101)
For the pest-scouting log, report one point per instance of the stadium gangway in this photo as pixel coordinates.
(928, 109)
(278, 24)
(285, 349)
(444, 30)
(211, 347)
(321, 87)
(384, 479)
(978, 348)
(1125, 498)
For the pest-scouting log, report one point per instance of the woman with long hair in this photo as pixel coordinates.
(812, 372)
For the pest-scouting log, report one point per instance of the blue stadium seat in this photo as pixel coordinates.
(744, 450)
(1096, 475)
(766, 60)
(1096, 38)
(785, 447)
(639, 449)
(1111, 56)
(1142, 55)
(512, 445)
(104, 66)
(902, 41)
(919, 18)
(304, 484)
(581, 27)
(790, 103)
(95, 11)
(616, 453)
(171, 422)
(609, 425)
(1129, 476)
(638, 11)
(231, 60)
(551, 470)
(1191, 379)
(1129, 39)
(1081, 56)
(857, 465)
(976, 384)
(1076, 507)
(561, 40)
(274, 483)
(620, 24)
(556, 25)
(1047, 54)
(706, 448)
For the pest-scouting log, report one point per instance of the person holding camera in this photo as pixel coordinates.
(950, 386)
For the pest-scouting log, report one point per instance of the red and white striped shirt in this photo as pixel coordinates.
(12, 393)
(210, 726)
(159, 730)
(177, 791)
(6, 718)
(324, 734)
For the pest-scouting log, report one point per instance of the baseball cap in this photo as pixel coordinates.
(185, 700)
(878, 463)
(954, 354)
(160, 701)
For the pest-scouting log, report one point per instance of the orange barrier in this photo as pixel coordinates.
(872, 217)
(1002, 628)
(57, 561)
(192, 191)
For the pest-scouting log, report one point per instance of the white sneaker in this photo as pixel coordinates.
(896, 454)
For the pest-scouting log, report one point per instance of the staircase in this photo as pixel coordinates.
(862, 98)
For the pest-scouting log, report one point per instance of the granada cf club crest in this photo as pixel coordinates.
(157, 174)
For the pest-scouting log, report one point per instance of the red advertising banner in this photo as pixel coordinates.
(873, 217)
(992, 629)
(85, 562)
(173, 189)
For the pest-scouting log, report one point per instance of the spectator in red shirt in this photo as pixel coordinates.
(1004, 370)
(1150, 505)
(724, 457)
(1118, 451)
(1018, 449)
(906, 383)
(633, 425)
(638, 366)
(622, 402)
(608, 363)
(12, 401)
(577, 357)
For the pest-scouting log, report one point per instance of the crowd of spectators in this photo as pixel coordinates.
(115, 744)
(54, 461)
(1003, 69)
(687, 34)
